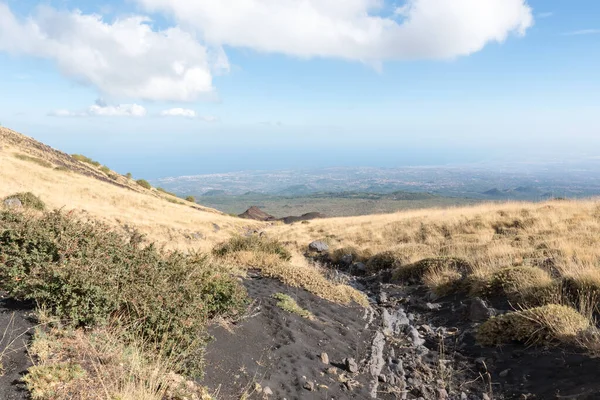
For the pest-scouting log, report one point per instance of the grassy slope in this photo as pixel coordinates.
(120, 202)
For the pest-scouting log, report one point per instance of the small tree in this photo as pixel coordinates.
(128, 175)
(191, 198)
(144, 183)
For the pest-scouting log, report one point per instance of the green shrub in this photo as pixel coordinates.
(252, 243)
(287, 303)
(82, 158)
(29, 200)
(89, 275)
(162, 190)
(540, 325)
(34, 160)
(191, 199)
(105, 169)
(144, 183)
(128, 175)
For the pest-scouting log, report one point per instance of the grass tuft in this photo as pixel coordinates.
(84, 159)
(290, 305)
(28, 200)
(34, 160)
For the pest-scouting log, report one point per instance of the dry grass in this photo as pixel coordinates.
(287, 303)
(119, 203)
(77, 364)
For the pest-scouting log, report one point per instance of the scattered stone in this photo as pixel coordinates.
(310, 386)
(463, 396)
(382, 298)
(382, 378)
(216, 228)
(13, 202)
(267, 391)
(324, 358)
(504, 373)
(415, 336)
(480, 311)
(442, 394)
(332, 371)
(433, 306)
(318, 246)
(351, 365)
(485, 396)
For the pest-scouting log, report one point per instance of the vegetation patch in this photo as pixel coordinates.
(382, 261)
(84, 159)
(191, 199)
(28, 200)
(89, 275)
(166, 192)
(34, 160)
(416, 271)
(46, 382)
(290, 305)
(541, 325)
(252, 243)
(144, 183)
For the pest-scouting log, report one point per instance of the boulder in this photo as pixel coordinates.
(480, 311)
(13, 202)
(358, 269)
(318, 246)
(351, 365)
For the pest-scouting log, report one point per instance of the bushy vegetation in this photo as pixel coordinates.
(28, 200)
(287, 303)
(87, 160)
(34, 160)
(540, 325)
(144, 183)
(162, 190)
(105, 169)
(191, 199)
(252, 243)
(128, 175)
(89, 275)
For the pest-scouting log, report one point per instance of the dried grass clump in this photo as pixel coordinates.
(357, 255)
(541, 325)
(383, 261)
(28, 200)
(432, 266)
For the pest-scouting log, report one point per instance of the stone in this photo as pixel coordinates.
(442, 394)
(480, 311)
(332, 371)
(504, 373)
(318, 246)
(324, 358)
(351, 365)
(415, 336)
(310, 386)
(358, 268)
(346, 260)
(267, 391)
(382, 378)
(13, 202)
(433, 306)
(463, 396)
(485, 396)
(216, 228)
(382, 298)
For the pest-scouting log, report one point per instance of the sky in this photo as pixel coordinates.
(176, 87)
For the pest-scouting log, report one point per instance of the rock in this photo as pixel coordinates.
(504, 373)
(267, 391)
(442, 394)
(324, 358)
(485, 396)
(351, 365)
(395, 322)
(433, 306)
(310, 386)
(318, 246)
(382, 378)
(332, 371)
(216, 228)
(480, 311)
(382, 298)
(13, 202)
(463, 396)
(415, 336)
(346, 260)
(358, 269)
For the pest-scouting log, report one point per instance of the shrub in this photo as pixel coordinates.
(252, 243)
(105, 169)
(540, 325)
(87, 274)
(357, 255)
(290, 305)
(82, 158)
(29, 200)
(34, 160)
(416, 271)
(144, 183)
(190, 199)
(166, 192)
(382, 261)
(128, 175)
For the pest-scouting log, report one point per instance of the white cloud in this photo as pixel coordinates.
(187, 113)
(352, 29)
(101, 109)
(124, 58)
(583, 32)
(179, 112)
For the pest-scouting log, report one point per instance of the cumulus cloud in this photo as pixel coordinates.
(352, 29)
(101, 109)
(122, 58)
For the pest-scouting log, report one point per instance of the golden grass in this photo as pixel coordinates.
(287, 303)
(175, 225)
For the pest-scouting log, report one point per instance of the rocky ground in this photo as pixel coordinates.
(15, 330)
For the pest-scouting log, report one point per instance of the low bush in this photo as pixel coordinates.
(338, 256)
(87, 160)
(34, 160)
(382, 261)
(28, 200)
(191, 199)
(144, 183)
(105, 169)
(89, 275)
(415, 272)
(254, 244)
(541, 325)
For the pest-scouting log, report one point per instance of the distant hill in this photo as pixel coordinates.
(215, 192)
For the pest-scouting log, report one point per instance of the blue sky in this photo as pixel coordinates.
(274, 87)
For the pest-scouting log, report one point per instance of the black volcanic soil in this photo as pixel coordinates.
(280, 350)
(15, 332)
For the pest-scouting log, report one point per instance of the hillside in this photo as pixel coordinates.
(64, 182)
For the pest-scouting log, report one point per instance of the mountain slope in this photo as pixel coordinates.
(64, 182)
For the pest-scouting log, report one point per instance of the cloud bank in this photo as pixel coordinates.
(101, 109)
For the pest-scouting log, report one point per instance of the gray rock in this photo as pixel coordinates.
(395, 322)
(382, 378)
(13, 202)
(324, 358)
(310, 386)
(347, 260)
(351, 365)
(382, 298)
(480, 311)
(267, 391)
(442, 394)
(433, 306)
(463, 396)
(504, 373)
(318, 246)
(216, 228)
(415, 336)
(485, 396)
(358, 268)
